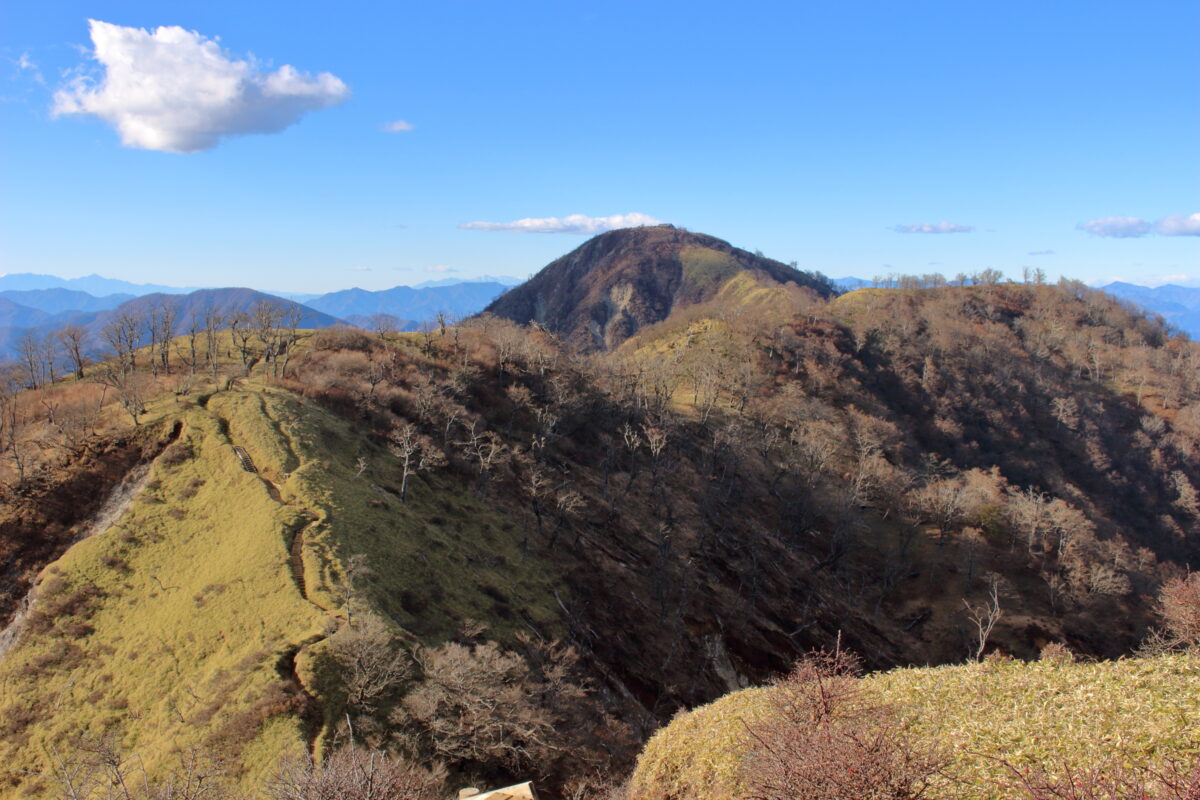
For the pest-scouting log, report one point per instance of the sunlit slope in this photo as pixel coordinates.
(1135, 711)
(189, 607)
(195, 620)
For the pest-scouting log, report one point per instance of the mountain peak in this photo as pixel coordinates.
(614, 284)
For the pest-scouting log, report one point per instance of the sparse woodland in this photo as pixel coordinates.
(934, 473)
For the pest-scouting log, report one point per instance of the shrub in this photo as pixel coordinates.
(341, 339)
(1112, 780)
(498, 712)
(189, 491)
(355, 774)
(176, 454)
(821, 739)
(1179, 610)
(1179, 607)
(1056, 653)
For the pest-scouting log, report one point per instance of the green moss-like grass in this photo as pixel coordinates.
(1136, 711)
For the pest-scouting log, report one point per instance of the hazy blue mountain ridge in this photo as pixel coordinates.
(405, 302)
(95, 285)
(57, 300)
(1179, 305)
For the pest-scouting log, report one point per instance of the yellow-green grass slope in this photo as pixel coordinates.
(197, 616)
(1136, 711)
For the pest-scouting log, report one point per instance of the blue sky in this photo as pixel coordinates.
(814, 131)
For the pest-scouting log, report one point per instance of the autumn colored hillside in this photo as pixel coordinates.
(620, 527)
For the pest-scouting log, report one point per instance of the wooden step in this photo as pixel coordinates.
(244, 457)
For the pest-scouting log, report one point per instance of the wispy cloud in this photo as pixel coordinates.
(398, 126)
(1116, 227)
(1040, 253)
(572, 223)
(360, 269)
(441, 268)
(26, 64)
(1134, 227)
(178, 91)
(934, 227)
(1179, 225)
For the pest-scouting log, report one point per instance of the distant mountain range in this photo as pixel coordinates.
(58, 300)
(95, 285)
(42, 303)
(39, 304)
(405, 302)
(16, 321)
(1179, 305)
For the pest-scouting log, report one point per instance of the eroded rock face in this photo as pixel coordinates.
(604, 291)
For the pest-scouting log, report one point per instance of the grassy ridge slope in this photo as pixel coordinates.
(196, 618)
(1133, 710)
(192, 606)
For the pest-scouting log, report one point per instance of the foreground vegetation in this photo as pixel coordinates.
(992, 722)
(490, 554)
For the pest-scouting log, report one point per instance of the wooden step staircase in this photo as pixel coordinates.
(244, 457)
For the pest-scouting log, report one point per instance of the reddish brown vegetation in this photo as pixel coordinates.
(39, 521)
(821, 739)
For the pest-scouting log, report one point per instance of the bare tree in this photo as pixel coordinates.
(355, 774)
(12, 422)
(129, 386)
(191, 357)
(267, 317)
(289, 325)
(384, 325)
(371, 662)
(478, 704)
(29, 350)
(484, 448)
(164, 322)
(123, 334)
(239, 329)
(97, 769)
(214, 319)
(984, 617)
(48, 353)
(72, 338)
(416, 452)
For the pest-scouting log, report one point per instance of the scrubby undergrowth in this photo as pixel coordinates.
(989, 718)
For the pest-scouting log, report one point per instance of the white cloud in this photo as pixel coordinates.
(176, 90)
(572, 223)
(1040, 253)
(26, 64)
(934, 227)
(399, 126)
(360, 269)
(1116, 227)
(1179, 225)
(443, 268)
